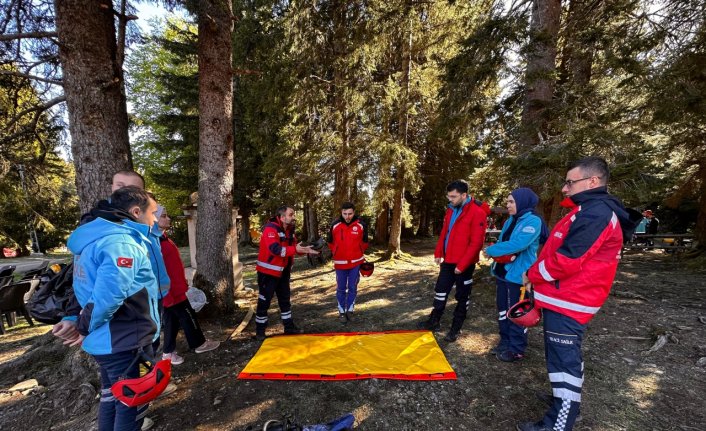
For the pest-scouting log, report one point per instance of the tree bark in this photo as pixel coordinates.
(700, 234)
(214, 222)
(93, 83)
(540, 75)
(382, 223)
(393, 245)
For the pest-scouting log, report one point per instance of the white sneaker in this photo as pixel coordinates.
(176, 359)
(147, 423)
(207, 346)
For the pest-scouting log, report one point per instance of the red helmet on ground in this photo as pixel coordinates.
(366, 269)
(141, 390)
(525, 313)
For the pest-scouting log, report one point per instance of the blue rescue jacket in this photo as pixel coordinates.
(115, 286)
(523, 242)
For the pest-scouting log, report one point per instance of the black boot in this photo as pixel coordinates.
(431, 324)
(454, 332)
(290, 328)
(260, 332)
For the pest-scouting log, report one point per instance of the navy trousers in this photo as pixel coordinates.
(269, 286)
(562, 344)
(512, 337)
(347, 288)
(444, 284)
(112, 414)
(183, 316)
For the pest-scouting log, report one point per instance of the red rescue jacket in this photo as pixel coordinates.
(277, 246)
(467, 235)
(348, 242)
(175, 271)
(575, 270)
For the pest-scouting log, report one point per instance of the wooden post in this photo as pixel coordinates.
(190, 213)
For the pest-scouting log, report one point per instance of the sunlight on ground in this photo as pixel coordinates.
(252, 414)
(474, 343)
(17, 340)
(645, 386)
(362, 413)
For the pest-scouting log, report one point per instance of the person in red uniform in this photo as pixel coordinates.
(348, 240)
(457, 253)
(571, 280)
(178, 312)
(278, 245)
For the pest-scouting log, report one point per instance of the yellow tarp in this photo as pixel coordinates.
(408, 355)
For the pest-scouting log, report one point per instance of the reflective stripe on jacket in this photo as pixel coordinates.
(277, 247)
(576, 267)
(348, 242)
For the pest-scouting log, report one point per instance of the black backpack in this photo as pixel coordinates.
(55, 299)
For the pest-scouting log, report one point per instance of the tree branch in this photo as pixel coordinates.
(34, 77)
(31, 35)
(39, 109)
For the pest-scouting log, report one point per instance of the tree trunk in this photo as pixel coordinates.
(700, 234)
(93, 86)
(393, 245)
(580, 44)
(541, 68)
(214, 222)
(245, 212)
(313, 224)
(382, 223)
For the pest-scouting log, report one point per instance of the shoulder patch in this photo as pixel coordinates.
(529, 229)
(125, 262)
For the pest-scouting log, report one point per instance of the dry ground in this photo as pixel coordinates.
(626, 388)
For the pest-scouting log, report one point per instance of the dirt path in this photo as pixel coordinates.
(626, 388)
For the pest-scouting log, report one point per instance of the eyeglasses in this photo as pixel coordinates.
(569, 183)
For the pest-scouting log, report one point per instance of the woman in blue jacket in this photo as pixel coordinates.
(513, 254)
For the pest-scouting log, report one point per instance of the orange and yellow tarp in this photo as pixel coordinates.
(402, 355)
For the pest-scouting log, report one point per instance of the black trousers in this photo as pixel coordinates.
(445, 282)
(269, 286)
(182, 316)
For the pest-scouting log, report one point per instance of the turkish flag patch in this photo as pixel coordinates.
(125, 262)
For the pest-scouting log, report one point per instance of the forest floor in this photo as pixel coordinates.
(627, 387)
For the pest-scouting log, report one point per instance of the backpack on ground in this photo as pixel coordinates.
(54, 299)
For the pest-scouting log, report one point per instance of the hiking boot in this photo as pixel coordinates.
(452, 335)
(431, 324)
(260, 334)
(291, 329)
(508, 356)
(533, 426)
(174, 358)
(349, 316)
(342, 318)
(207, 346)
(497, 350)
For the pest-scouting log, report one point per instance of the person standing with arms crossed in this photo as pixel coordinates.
(457, 253)
(572, 278)
(348, 240)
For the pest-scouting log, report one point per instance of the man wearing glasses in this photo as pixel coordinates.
(571, 280)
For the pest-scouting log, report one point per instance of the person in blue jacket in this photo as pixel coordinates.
(513, 254)
(116, 286)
